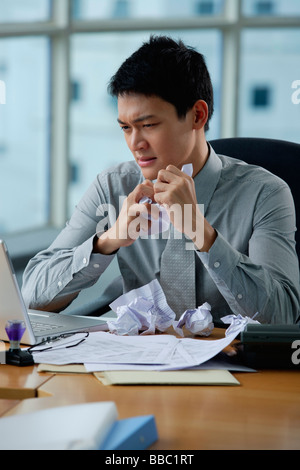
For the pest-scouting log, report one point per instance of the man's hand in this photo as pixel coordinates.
(130, 222)
(176, 192)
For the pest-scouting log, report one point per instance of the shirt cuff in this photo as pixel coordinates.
(94, 264)
(221, 258)
(220, 262)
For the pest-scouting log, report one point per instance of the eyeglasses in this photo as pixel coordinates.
(65, 341)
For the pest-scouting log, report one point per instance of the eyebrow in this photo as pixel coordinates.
(139, 119)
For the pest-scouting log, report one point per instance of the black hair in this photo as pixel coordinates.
(168, 69)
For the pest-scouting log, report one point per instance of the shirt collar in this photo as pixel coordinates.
(207, 179)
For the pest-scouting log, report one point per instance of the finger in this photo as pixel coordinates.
(174, 169)
(135, 210)
(147, 184)
(166, 176)
(160, 199)
(136, 226)
(144, 190)
(170, 174)
(160, 187)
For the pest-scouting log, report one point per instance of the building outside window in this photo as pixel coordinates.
(261, 96)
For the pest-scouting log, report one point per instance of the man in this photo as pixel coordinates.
(243, 258)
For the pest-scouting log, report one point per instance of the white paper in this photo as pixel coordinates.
(189, 352)
(198, 321)
(237, 322)
(145, 310)
(186, 353)
(162, 223)
(106, 348)
(158, 225)
(105, 351)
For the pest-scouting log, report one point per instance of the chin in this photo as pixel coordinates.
(149, 174)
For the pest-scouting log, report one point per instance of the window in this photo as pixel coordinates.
(95, 138)
(91, 9)
(267, 72)
(12, 11)
(2, 92)
(205, 8)
(264, 7)
(271, 7)
(24, 134)
(58, 124)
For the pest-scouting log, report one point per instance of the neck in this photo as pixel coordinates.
(201, 157)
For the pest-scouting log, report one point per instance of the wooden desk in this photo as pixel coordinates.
(18, 383)
(262, 413)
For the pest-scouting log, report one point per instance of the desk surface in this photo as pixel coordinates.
(262, 413)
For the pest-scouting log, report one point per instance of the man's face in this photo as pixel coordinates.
(154, 133)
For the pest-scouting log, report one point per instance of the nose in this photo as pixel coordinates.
(137, 141)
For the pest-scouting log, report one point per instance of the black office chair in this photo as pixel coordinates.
(280, 157)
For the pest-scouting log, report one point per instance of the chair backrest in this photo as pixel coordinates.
(277, 156)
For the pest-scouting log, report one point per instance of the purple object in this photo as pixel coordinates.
(15, 330)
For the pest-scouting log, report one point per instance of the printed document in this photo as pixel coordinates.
(105, 351)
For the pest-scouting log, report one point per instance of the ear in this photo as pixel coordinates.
(200, 112)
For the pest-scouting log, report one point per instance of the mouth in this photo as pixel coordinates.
(146, 161)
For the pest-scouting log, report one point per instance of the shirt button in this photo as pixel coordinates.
(96, 266)
(59, 283)
(240, 296)
(84, 260)
(217, 264)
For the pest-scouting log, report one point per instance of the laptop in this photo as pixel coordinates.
(40, 325)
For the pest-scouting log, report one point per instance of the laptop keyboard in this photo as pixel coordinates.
(43, 327)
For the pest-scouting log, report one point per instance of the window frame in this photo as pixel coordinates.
(61, 26)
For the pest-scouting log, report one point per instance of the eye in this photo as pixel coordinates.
(124, 128)
(149, 125)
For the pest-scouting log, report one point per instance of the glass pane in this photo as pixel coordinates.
(269, 89)
(91, 9)
(12, 11)
(271, 7)
(24, 120)
(96, 141)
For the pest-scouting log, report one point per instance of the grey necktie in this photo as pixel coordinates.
(177, 273)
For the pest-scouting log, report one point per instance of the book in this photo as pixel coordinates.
(137, 433)
(88, 426)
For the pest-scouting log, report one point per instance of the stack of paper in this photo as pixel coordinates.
(103, 351)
